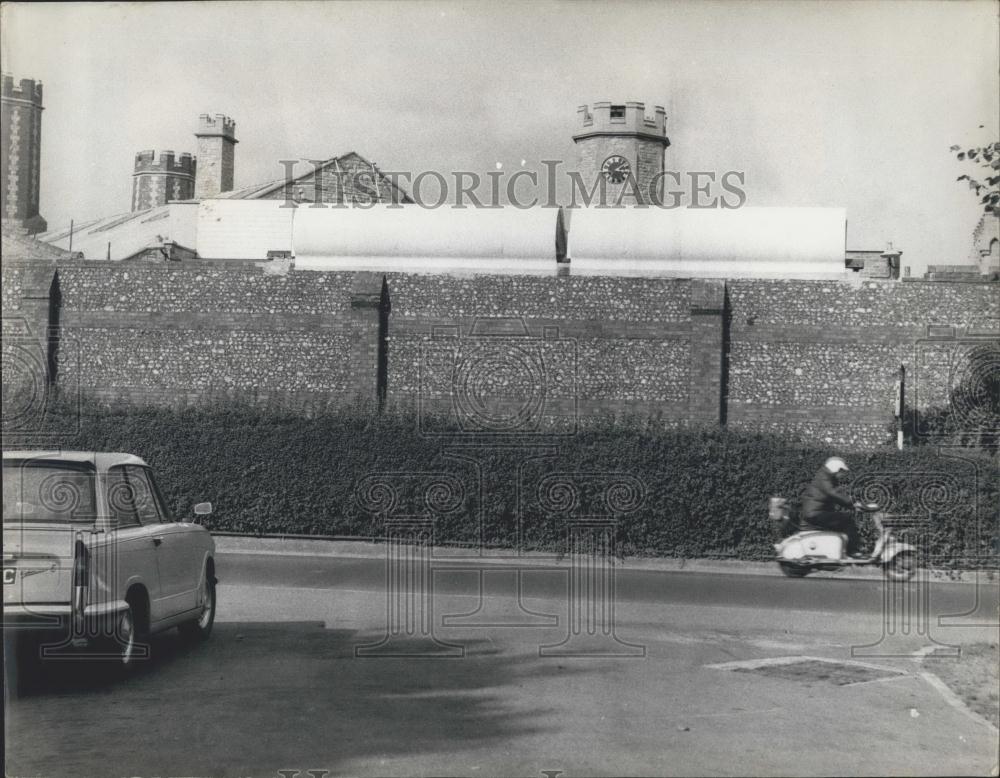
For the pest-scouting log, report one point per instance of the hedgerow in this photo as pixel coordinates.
(269, 470)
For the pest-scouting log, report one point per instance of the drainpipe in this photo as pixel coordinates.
(900, 394)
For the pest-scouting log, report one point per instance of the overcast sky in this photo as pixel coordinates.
(820, 103)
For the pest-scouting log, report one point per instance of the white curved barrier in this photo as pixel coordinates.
(740, 243)
(414, 239)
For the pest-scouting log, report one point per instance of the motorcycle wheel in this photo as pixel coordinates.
(793, 571)
(901, 567)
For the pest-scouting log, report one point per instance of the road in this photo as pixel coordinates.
(305, 672)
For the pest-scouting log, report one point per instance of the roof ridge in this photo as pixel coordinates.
(276, 184)
(264, 188)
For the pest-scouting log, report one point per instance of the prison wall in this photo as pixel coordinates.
(603, 345)
(821, 359)
(814, 359)
(172, 334)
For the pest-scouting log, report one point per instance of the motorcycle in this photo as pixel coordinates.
(806, 551)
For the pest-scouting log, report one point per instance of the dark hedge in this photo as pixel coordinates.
(706, 491)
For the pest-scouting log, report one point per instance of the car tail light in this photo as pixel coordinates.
(81, 579)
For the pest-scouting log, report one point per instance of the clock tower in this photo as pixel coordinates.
(623, 147)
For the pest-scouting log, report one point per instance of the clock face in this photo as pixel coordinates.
(616, 169)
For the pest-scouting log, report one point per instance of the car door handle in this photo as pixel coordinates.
(157, 540)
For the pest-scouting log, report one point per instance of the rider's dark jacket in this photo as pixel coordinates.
(823, 496)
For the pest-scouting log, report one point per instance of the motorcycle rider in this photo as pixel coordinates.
(827, 507)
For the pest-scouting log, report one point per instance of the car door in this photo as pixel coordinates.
(129, 555)
(177, 558)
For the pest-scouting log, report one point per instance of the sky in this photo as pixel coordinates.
(821, 103)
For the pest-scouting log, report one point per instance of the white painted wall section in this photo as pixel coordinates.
(244, 229)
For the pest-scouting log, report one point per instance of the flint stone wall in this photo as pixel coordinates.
(810, 358)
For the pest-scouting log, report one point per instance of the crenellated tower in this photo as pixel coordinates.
(20, 155)
(216, 155)
(159, 182)
(621, 144)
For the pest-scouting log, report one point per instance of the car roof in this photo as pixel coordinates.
(102, 460)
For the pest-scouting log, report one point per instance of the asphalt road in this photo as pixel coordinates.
(827, 593)
(285, 682)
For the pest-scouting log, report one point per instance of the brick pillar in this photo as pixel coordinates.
(31, 320)
(29, 340)
(369, 335)
(706, 375)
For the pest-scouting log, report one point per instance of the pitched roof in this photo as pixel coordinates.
(129, 233)
(256, 191)
(251, 192)
(16, 245)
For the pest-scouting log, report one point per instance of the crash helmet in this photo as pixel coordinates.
(835, 465)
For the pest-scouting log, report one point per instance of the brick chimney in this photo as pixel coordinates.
(891, 258)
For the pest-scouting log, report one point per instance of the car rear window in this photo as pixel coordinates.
(48, 491)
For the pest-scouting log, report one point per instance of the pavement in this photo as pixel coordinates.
(359, 549)
(331, 663)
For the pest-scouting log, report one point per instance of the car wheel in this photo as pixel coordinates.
(201, 628)
(123, 644)
(794, 571)
(120, 650)
(901, 567)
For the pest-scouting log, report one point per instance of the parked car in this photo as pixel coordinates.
(92, 558)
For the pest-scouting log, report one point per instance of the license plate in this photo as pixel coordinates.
(9, 574)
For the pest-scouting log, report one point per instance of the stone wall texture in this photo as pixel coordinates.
(814, 359)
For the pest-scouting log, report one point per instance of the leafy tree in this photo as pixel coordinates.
(972, 417)
(985, 181)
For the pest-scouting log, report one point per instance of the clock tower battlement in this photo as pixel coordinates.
(625, 117)
(621, 144)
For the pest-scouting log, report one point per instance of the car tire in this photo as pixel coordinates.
(901, 567)
(123, 645)
(199, 629)
(120, 651)
(794, 571)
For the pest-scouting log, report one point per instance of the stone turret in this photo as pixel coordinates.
(20, 154)
(157, 182)
(623, 145)
(216, 155)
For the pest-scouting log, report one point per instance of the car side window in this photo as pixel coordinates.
(146, 504)
(121, 499)
(165, 515)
